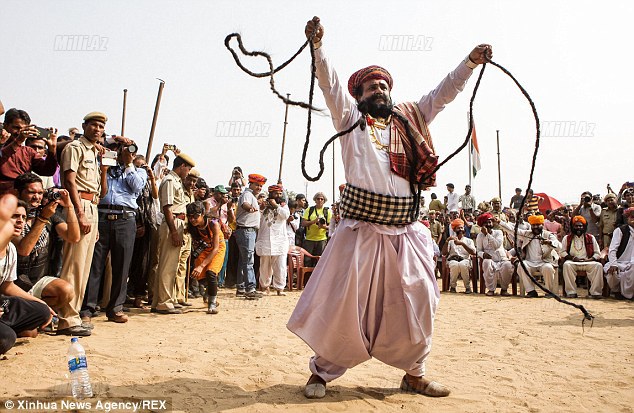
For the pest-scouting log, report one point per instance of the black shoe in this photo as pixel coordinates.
(452, 290)
(77, 331)
(240, 293)
(532, 294)
(253, 295)
(572, 295)
(185, 303)
(619, 296)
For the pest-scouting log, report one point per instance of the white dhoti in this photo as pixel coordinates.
(545, 269)
(459, 269)
(372, 294)
(273, 266)
(623, 280)
(494, 272)
(594, 272)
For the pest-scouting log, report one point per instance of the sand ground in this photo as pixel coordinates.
(497, 355)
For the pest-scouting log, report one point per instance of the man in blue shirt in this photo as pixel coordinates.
(120, 187)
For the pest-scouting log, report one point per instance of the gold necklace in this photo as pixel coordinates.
(375, 124)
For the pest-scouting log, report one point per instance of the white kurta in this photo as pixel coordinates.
(373, 292)
(272, 237)
(623, 280)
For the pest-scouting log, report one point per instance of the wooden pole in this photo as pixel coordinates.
(279, 177)
(156, 110)
(499, 172)
(125, 99)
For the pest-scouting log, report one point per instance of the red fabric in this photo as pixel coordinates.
(400, 146)
(276, 188)
(25, 159)
(368, 73)
(482, 219)
(257, 178)
(587, 241)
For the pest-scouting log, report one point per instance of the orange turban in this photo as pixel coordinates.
(275, 188)
(257, 179)
(457, 223)
(578, 218)
(536, 219)
(368, 73)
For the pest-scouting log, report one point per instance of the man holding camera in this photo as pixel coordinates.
(590, 211)
(272, 242)
(80, 177)
(16, 159)
(316, 220)
(121, 185)
(33, 244)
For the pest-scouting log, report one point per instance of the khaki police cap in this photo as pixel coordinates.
(101, 117)
(187, 159)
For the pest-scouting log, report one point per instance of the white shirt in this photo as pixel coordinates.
(459, 249)
(8, 265)
(272, 237)
(367, 167)
(492, 244)
(452, 201)
(628, 254)
(578, 247)
(245, 218)
(535, 250)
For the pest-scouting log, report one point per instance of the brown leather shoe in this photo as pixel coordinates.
(119, 317)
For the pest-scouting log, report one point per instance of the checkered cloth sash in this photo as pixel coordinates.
(400, 146)
(362, 205)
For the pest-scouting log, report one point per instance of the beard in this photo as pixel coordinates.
(374, 109)
(578, 232)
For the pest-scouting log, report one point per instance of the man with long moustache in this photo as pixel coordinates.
(580, 252)
(495, 263)
(537, 247)
(373, 292)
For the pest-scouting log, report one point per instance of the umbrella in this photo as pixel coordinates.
(547, 202)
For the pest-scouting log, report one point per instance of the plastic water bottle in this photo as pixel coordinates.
(78, 368)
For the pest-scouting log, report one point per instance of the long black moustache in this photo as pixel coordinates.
(376, 110)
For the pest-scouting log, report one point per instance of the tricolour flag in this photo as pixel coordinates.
(475, 152)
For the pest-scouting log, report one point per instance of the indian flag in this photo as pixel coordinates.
(475, 152)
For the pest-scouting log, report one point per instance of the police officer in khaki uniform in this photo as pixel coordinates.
(607, 220)
(190, 185)
(173, 202)
(80, 174)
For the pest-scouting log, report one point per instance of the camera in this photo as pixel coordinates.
(587, 198)
(109, 158)
(132, 148)
(42, 133)
(322, 221)
(52, 195)
(169, 147)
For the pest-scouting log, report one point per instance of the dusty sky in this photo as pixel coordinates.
(566, 54)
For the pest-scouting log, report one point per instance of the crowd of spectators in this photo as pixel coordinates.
(97, 229)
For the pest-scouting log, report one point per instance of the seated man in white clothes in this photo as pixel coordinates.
(459, 250)
(538, 246)
(496, 265)
(620, 265)
(580, 252)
